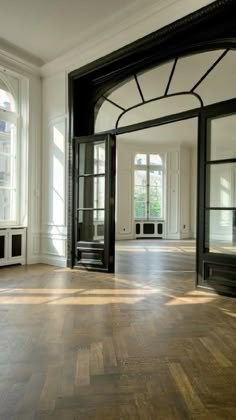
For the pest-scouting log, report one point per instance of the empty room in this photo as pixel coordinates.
(117, 210)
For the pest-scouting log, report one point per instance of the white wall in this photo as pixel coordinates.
(54, 171)
(34, 172)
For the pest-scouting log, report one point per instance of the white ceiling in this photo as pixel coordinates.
(46, 29)
(181, 132)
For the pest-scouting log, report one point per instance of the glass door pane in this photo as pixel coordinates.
(222, 137)
(221, 231)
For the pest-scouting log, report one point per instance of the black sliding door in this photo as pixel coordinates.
(94, 202)
(217, 198)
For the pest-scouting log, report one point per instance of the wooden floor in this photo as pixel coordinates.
(140, 344)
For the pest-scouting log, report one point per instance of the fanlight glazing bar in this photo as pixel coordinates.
(210, 70)
(157, 99)
(113, 103)
(139, 88)
(171, 76)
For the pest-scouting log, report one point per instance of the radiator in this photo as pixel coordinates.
(149, 229)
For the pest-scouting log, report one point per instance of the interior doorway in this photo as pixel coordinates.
(156, 193)
(149, 84)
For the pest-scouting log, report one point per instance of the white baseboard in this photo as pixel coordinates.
(34, 260)
(172, 236)
(51, 260)
(124, 237)
(185, 235)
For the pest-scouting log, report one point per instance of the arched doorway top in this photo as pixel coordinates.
(182, 83)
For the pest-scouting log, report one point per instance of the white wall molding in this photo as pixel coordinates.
(54, 245)
(52, 260)
(34, 168)
(14, 62)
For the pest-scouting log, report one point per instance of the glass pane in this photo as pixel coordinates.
(155, 209)
(222, 138)
(6, 101)
(7, 205)
(155, 178)
(140, 159)
(91, 225)
(155, 202)
(221, 229)
(7, 137)
(92, 192)
(155, 160)
(140, 193)
(7, 171)
(222, 185)
(92, 158)
(7, 154)
(140, 178)
(16, 245)
(140, 210)
(5, 126)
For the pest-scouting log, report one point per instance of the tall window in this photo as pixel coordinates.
(8, 153)
(148, 186)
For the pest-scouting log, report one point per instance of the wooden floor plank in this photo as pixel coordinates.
(138, 344)
(82, 373)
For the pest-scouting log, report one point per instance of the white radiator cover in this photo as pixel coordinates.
(149, 229)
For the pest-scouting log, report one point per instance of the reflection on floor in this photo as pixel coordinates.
(155, 255)
(139, 344)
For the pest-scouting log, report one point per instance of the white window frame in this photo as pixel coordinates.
(21, 120)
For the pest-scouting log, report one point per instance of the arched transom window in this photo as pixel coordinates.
(178, 85)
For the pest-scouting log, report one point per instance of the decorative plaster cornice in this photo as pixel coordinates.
(17, 63)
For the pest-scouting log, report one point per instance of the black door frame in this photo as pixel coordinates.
(212, 27)
(109, 250)
(201, 114)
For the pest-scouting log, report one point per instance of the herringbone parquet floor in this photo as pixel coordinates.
(140, 344)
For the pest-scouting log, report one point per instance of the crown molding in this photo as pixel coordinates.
(123, 29)
(14, 62)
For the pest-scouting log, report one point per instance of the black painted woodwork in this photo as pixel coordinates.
(90, 253)
(16, 245)
(159, 228)
(212, 27)
(148, 228)
(214, 270)
(2, 247)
